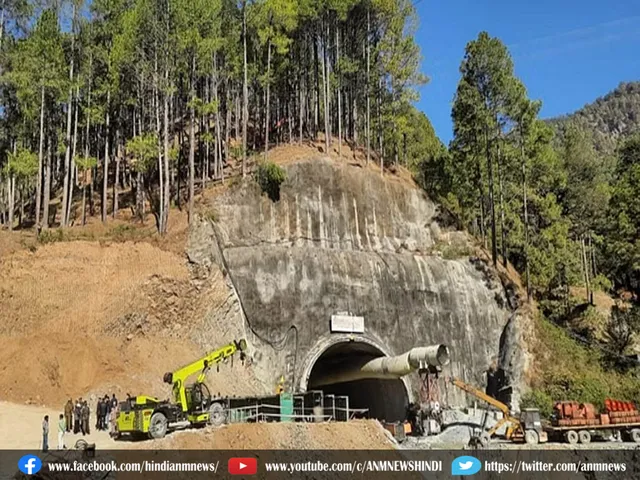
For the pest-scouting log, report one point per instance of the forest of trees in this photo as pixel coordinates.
(158, 97)
(541, 195)
(609, 118)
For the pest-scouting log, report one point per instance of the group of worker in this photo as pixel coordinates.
(77, 416)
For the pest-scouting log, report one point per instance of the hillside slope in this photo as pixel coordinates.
(82, 318)
(610, 117)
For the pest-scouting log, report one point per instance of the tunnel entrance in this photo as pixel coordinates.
(386, 399)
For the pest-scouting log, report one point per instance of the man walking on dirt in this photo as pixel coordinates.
(77, 423)
(85, 418)
(45, 433)
(107, 412)
(98, 418)
(68, 414)
(61, 429)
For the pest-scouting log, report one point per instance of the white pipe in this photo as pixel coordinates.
(388, 367)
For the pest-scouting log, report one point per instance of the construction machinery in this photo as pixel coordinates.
(527, 427)
(145, 415)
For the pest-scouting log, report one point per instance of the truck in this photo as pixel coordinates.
(526, 427)
(574, 422)
(148, 416)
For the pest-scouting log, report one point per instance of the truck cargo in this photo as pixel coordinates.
(575, 422)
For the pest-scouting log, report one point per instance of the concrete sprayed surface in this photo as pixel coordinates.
(343, 239)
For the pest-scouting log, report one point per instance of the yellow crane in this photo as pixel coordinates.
(145, 415)
(527, 427)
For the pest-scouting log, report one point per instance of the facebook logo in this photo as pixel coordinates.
(466, 465)
(30, 464)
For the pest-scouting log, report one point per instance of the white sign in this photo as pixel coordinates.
(347, 324)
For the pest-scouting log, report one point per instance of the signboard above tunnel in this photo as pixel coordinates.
(347, 324)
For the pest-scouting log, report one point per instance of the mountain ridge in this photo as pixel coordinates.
(608, 118)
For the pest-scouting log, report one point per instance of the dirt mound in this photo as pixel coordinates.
(82, 317)
(355, 435)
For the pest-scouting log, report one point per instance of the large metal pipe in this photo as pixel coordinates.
(383, 367)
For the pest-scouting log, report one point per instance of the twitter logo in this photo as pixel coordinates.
(466, 465)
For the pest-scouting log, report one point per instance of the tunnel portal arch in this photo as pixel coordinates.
(386, 399)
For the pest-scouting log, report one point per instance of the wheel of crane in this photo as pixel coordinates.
(531, 437)
(635, 435)
(584, 436)
(484, 439)
(217, 415)
(571, 437)
(158, 425)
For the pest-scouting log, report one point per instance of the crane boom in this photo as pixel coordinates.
(481, 395)
(179, 377)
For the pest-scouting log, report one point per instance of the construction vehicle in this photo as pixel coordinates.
(527, 427)
(574, 422)
(149, 416)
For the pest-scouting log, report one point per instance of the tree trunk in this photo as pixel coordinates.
(40, 159)
(167, 184)
(47, 183)
(525, 214)
(325, 94)
(267, 101)
(380, 129)
(368, 86)
(116, 180)
(301, 110)
(339, 89)
(503, 232)
(67, 153)
(245, 90)
(105, 173)
(192, 140)
(74, 166)
(156, 113)
(11, 188)
(494, 244)
(84, 208)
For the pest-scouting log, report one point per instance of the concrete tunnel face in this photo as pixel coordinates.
(386, 399)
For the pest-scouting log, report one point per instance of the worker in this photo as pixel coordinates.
(112, 420)
(77, 411)
(68, 414)
(103, 412)
(61, 429)
(114, 402)
(107, 412)
(85, 418)
(98, 408)
(45, 433)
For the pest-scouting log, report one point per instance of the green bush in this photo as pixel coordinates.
(538, 399)
(602, 283)
(51, 236)
(270, 176)
(571, 370)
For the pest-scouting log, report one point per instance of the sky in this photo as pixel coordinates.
(567, 52)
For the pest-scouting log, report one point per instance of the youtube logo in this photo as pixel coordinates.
(242, 466)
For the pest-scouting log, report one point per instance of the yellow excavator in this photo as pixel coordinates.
(527, 428)
(149, 416)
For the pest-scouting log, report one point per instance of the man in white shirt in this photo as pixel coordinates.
(62, 427)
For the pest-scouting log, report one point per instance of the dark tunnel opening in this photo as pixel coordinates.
(386, 399)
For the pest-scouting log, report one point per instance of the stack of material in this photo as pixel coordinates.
(621, 412)
(574, 413)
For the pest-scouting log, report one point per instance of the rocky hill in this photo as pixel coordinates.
(341, 238)
(610, 117)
